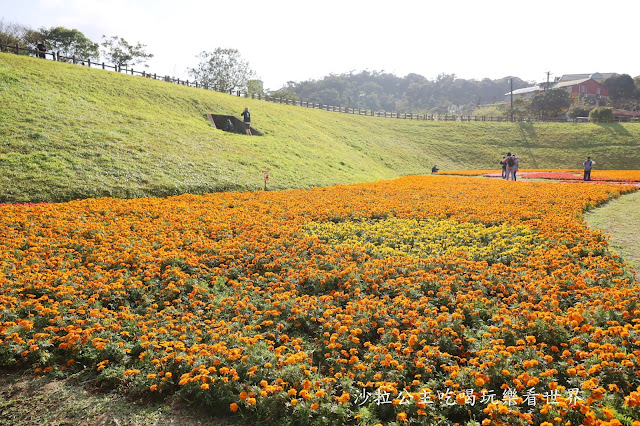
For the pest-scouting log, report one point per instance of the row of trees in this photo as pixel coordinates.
(73, 43)
(448, 94)
(379, 90)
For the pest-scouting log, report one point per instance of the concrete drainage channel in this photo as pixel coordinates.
(219, 121)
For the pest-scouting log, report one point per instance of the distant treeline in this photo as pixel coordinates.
(378, 90)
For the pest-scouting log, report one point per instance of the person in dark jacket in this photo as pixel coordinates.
(42, 48)
(588, 164)
(247, 119)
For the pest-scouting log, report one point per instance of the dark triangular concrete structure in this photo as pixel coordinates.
(219, 121)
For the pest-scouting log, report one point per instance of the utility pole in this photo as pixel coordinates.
(547, 86)
(511, 84)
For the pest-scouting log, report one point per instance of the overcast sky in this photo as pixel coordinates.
(286, 40)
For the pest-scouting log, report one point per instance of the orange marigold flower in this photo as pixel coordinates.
(344, 398)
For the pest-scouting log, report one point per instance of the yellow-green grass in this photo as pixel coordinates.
(70, 132)
(619, 218)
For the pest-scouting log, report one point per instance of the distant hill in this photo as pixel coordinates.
(69, 132)
(412, 93)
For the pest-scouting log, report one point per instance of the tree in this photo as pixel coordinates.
(621, 86)
(12, 34)
(623, 91)
(119, 52)
(254, 87)
(70, 43)
(551, 103)
(222, 69)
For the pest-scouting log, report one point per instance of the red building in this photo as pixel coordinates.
(586, 88)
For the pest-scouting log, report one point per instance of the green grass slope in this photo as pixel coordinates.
(70, 132)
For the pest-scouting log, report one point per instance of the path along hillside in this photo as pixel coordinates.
(69, 132)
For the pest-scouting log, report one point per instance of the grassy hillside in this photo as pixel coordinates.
(71, 132)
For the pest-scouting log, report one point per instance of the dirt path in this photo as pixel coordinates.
(26, 401)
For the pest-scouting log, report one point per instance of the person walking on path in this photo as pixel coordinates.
(516, 165)
(503, 164)
(247, 119)
(511, 164)
(588, 164)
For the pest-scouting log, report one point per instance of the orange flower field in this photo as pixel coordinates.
(421, 300)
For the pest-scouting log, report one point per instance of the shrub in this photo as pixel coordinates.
(580, 111)
(601, 115)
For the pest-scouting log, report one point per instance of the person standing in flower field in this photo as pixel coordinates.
(588, 164)
(503, 164)
(516, 165)
(247, 119)
(511, 164)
